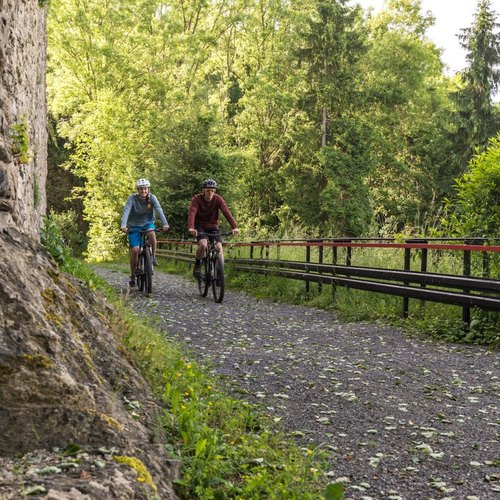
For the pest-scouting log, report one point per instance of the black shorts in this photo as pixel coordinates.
(210, 232)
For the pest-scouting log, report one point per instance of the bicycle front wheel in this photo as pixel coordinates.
(139, 272)
(204, 281)
(217, 274)
(147, 276)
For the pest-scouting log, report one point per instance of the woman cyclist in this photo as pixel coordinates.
(138, 215)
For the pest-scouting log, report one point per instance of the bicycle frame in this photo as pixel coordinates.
(213, 269)
(144, 269)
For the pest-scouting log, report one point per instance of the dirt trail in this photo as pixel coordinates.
(403, 418)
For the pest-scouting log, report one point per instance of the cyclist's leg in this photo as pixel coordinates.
(134, 239)
(200, 253)
(200, 250)
(152, 242)
(218, 247)
(218, 243)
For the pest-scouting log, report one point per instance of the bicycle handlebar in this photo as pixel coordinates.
(156, 230)
(226, 233)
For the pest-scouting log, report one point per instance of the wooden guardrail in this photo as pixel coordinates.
(464, 290)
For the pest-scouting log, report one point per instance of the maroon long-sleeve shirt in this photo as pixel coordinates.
(205, 214)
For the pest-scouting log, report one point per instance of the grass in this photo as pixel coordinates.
(228, 447)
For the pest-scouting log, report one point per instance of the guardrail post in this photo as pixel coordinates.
(348, 259)
(407, 265)
(423, 269)
(334, 262)
(308, 259)
(320, 261)
(467, 267)
(251, 249)
(486, 262)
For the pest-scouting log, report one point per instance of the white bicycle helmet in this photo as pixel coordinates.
(209, 183)
(142, 183)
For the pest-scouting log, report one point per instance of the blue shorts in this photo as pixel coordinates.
(134, 237)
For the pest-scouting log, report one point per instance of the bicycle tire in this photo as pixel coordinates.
(218, 281)
(140, 272)
(147, 272)
(204, 281)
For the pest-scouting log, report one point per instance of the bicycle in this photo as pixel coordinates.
(144, 269)
(212, 269)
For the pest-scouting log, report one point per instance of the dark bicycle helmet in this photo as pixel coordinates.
(209, 183)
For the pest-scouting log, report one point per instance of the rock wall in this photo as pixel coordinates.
(66, 379)
(23, 114)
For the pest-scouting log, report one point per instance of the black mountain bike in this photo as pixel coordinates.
(212, 269)
(144, 270)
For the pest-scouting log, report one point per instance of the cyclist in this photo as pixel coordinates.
(138, 215)
(203, 215)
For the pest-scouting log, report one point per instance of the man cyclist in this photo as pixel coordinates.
(203, 216)
(138, 215)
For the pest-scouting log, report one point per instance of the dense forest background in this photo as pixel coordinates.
(315, 117)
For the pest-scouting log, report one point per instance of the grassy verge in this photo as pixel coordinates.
(228, 447)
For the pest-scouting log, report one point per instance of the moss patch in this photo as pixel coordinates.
(112, 422)
(143, 474)
(36, 361)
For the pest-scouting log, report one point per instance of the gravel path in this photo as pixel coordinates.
(403, 418)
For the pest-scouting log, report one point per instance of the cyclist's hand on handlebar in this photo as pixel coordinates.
(235, 231)
(124, 229)
(165, 228)
(193, 232)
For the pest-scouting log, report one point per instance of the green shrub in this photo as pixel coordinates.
(53, 241)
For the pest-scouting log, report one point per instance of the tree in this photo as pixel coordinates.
(326, 173)
(476, 207)
(406, 100)
(475, 117)
(333, 44)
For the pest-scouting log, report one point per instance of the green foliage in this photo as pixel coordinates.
(334, 491)
(410, 119)
(484, 328)
(57, 245)
(475, 211)
(52, 239)
(345, 199)
(20, 140)
(251, 100)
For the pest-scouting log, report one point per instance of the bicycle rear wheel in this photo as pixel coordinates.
(147, 276)
(204, 281)
(217, 273)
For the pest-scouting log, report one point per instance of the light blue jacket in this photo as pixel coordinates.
(135, 213)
